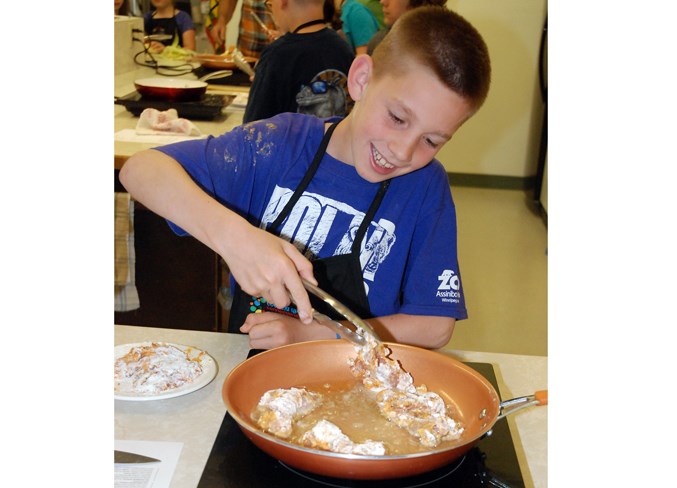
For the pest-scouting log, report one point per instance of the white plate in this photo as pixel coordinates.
(208, 364)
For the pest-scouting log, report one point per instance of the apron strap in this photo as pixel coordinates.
(369, 216)
(306, 179)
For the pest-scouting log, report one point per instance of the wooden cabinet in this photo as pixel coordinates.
(178, 278)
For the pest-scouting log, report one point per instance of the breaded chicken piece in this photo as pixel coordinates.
(278, 409)
(377, 371)
(421, 413)
(329, 437)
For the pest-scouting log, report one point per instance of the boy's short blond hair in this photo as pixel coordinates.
(443, 41)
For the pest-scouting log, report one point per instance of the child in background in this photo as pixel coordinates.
(376, 10)
(120, 7)
(393, 10)
(359, 25)
(168, 20)
(307, 53)
(357, 205)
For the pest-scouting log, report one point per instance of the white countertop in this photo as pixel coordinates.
(195, 419)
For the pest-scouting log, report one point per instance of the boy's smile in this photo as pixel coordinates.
(400, 121)
(380, 164)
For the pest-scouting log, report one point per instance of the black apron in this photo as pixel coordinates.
(340, 276)
(165, 26)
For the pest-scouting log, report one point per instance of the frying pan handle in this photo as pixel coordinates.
(516, 404)
(542, 397)
(216, 74)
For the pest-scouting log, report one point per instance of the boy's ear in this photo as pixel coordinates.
(359, 75)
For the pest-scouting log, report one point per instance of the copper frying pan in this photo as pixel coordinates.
(173, 89)
(472, 397)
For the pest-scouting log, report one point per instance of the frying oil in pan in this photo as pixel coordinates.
(353, 409)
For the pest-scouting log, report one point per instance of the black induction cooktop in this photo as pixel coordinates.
(208, 107)
(235, 462)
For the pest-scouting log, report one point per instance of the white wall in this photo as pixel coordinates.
(502, 138)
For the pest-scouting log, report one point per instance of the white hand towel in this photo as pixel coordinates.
(153, 121)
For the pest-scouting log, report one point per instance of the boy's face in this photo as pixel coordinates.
(399, 123)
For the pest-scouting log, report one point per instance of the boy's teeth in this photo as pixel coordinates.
(380, 161)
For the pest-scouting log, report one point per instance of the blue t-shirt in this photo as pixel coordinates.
(409, 255)
(359, 24)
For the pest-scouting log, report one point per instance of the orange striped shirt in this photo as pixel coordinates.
(252, 38)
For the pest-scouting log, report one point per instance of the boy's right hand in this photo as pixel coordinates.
(268, 266)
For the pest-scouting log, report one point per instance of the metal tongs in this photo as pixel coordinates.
(262, 24)
(240, 62)
(356, 336)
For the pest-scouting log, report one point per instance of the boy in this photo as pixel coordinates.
(308, 52)
(368, 209)
(358, 25)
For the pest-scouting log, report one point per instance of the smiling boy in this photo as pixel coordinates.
(360, 205)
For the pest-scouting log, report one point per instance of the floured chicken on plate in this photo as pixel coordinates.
(155, 368)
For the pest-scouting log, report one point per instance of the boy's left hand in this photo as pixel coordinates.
(269, 329)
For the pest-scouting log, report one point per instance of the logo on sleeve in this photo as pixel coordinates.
(450, 284)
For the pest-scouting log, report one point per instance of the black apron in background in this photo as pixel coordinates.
(340, 276)
(165, 26)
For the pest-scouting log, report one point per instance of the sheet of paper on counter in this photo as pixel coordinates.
(240, 101)
(147, 475)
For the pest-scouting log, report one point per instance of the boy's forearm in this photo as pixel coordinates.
(162, 185)
(431, 332)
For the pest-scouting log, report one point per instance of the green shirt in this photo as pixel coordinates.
(375, 8)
